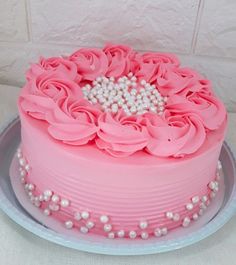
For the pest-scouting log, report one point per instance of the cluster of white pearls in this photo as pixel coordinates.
(84, 217)
(173, 216)
(160, 231)
(202, 202)
(125, 93)
(53, 201)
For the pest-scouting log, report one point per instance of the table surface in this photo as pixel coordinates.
(19, 246)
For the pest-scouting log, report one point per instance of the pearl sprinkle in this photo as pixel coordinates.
(134, 98)
(132, 234)
(68, 224)
(143, 224)
(104, 219)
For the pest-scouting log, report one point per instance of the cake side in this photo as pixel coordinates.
(128, 193)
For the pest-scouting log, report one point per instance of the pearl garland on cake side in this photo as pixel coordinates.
(53, 202)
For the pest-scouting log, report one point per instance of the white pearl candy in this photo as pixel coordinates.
(111, 235)
(195, 216)
(186, 222)
(90, 224)
(157, 232)
(104, 219)
(144, 235)
(143, 224)
(27, 167)
(22, 162)
(132, 234)
(121, 233)
(77, 216)
(85, 215)
(23, 173)
(55, 198)
(176, 217)
(107, 227)
(204, 198)
(54, 207)
(169, 215)
(48, 193)
(69, 224)
(195, 199)
(84, 229)
(189, 206)
(164, 231)
(46, 212)
(64, 203)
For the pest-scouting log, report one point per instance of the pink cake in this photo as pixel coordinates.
(119, 143)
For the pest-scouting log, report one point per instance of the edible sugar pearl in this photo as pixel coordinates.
(54, 207)
(169, 215)
(111, 235)
(27, 167)
(121, 233)
(144, 235)
(55, 198)
(104, 219)
(195, 216)
(143, 224)
(189, 206)
(90, 224)
(64, 203)
(204, 198)
(46, 212)
(84, 229)
(132, 234)
(195, 199)
(69, 224)
(186, 222)
(176, 217)
(77, 216)
(22, 162)
(157, 232)
(85, 215)
(164, 230)
(22, 173)
(48, 193)
(107, 227)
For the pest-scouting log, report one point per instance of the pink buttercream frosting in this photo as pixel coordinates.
(121, 135)
(73, 121)
(53, 94)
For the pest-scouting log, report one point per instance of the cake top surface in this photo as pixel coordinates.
(122, 101)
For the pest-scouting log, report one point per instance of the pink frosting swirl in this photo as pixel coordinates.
(73, 121)
(173, 80)
(121, 136)
(174, 135)
(210, 110)
(53, 94)
(66, 67)
(146, 66)
(119, 59)
(40, 93)
(91, 63)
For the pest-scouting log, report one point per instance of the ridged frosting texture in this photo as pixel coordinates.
(128, 189)
(53, 94)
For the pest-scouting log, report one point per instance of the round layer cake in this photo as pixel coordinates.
(119, 143)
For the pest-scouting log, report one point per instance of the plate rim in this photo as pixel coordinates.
(40, 230)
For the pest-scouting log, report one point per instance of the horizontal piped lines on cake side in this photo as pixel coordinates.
(55, 204)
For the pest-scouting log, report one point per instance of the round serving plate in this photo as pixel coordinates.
(12, 197)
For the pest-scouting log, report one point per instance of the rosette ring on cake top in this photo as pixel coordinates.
(119, 143)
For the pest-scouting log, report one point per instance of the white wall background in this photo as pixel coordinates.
(201, 32)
